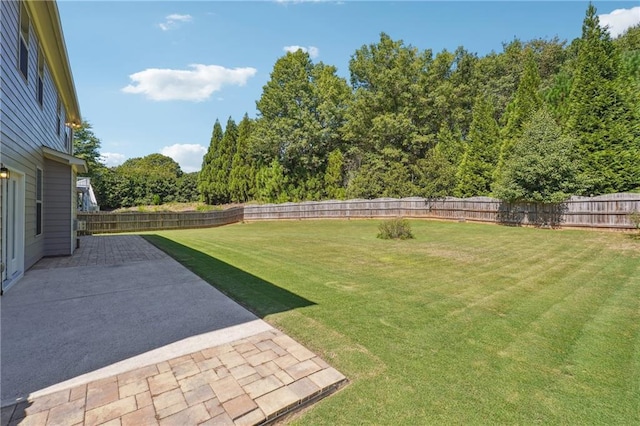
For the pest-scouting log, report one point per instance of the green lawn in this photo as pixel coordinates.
(465, 324)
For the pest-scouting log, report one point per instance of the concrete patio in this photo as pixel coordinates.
(122, 334)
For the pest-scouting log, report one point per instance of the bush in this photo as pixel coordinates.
(394, 229)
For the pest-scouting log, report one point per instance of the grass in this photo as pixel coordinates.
(465, 324)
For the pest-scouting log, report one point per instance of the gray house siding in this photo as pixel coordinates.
(26, 127)
(57, 202)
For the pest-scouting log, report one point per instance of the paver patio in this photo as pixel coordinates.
(247, 381)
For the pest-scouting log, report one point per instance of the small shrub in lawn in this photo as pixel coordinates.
(394, 229)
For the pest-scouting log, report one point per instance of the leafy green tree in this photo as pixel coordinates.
(449, 90)
(474, 175)
(389, 106)
(382, 176)
(601, 115)
(187, 188)
(86, 145)
(629, 41)
(109, 189)
(271, 183)
(151, 179)
(526, 101)
(222, 163)
(207, 172)
(436, 175)
(557, 95)
(334, 176)
(629, 46)
(544, 166)
(450, 145)
(300, 113)
(497, 74)
(550, 55)
(154, 179)
(242, 175)
(152, 165)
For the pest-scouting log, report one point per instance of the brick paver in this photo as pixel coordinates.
(247, 382)
(230, 384)
(105, 250)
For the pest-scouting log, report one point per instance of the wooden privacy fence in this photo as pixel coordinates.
(105, 222)
(608, 211)
(604, 212)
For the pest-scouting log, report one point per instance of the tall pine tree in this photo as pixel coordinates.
(601, 115)
(243, 173)
(334, 176)
(474, 175)
(207, 174)
(221, 164)
(525, 103)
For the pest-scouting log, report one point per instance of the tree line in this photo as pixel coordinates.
(152, 180)
(539, 121)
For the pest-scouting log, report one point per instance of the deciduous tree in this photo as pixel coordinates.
(86, 145)
(544, 165)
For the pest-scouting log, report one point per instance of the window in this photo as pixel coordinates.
(23, 42)
(40, 92)
(38, 201)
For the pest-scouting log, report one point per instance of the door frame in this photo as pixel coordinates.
(13, 202)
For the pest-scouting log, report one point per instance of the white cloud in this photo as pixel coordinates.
(195, 85)
(620, 20)
(112, 159)
(189, 156)
(178, 17)
(313, 51)
(172, 21)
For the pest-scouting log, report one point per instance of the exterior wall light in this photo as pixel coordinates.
(4, 173)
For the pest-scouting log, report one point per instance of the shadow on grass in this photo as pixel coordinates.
(257, 295)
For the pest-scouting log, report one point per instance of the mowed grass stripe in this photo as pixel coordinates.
(466, 324)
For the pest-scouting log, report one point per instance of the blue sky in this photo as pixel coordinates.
(153, 76)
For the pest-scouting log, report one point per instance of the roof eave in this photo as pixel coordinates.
(78, 164)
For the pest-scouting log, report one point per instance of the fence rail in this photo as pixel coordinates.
(104, 222)
(608, 211)
(603, 212)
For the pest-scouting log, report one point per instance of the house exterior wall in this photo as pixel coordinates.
(26, 126)
(57, 202)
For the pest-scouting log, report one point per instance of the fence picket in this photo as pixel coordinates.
(603, 212)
